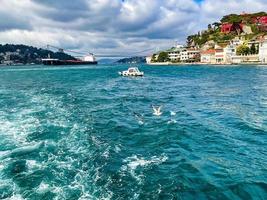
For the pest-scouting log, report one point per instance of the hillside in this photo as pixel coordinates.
(23, 54)
(247, 25)
(132, 60)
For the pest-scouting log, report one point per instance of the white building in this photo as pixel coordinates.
(190, 55)
(229, 51)
(184, 56)
(208, 56)
(148, 59)
(237, 41)
(193, 55)
(219, 56)
(175, 53)
(263, 50)
(239, 59)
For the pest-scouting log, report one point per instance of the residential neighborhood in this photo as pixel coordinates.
(238, 39)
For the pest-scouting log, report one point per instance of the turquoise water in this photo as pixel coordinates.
(87, 133)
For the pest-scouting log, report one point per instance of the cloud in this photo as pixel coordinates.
(104, 26)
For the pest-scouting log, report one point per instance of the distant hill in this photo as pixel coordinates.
(137, 59)
(23, 54)
(247, 25)
(107, 60)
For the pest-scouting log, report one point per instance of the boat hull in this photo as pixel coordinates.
(126, 74)
(68, 62)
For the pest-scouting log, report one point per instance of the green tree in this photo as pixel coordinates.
(217, 25)
(257, 49)
(209, 27)
(153, 59)
(243, 50)
(232, 18)
(253, 49)
(163, 57)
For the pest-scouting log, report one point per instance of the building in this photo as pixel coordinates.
(219, 55)
(148, 59)
(193, 55)
(175, 53)
(261, 20)
(208, 45)
(190, 55)
(226, 27)
(229, 51)
(263, 50)
(229, 27)
(239, 59)
(184, 56)
(237, 41)
(208, 56)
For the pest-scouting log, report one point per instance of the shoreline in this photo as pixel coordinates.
(210, 64)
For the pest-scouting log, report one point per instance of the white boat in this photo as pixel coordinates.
(132, 71)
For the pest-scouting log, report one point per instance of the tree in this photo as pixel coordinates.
(232, 18)
(153, 59)
(216, 25)
(253, 49)
(237, 28)
(163, 57)
(243, 50)
(209, 27)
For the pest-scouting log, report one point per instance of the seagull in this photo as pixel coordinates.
(139, 117)
(157, 111)
(172, 113)
(172, 121)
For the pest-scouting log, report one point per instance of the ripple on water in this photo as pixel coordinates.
(85, 133)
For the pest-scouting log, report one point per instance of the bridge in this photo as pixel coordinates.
(82, 53)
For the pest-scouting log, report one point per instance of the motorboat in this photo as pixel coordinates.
(132, 71)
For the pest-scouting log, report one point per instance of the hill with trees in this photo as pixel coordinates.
(247, 25)
(23, 54)
(137, 59)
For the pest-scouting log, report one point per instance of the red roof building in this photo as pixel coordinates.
(229, 27)
(210, 51)
(261, 20)
(208, 56)
(226, 27)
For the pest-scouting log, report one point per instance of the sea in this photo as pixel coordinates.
(84, 132)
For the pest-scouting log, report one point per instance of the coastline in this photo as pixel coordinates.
(210, 64)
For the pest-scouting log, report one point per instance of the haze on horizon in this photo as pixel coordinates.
(104, 26)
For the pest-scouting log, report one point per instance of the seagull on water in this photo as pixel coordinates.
(139, 117)
(157, 111)
(172, 113)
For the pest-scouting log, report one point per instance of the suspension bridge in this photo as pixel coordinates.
(116, 55)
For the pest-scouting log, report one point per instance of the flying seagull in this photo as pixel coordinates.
(157, 111)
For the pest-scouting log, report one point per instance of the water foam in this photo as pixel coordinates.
(43, 188)
(134, 162)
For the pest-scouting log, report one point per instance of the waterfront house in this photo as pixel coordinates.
(190, 55)
(148, 59)
(208, 56)
(175, 53)
(263, 49)
(229, 51)
(184, 56)
(239, 59)
(219, 55)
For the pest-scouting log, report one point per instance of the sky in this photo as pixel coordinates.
(122, 27)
